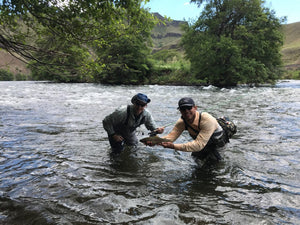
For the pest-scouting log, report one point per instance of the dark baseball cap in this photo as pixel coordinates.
(186, 102)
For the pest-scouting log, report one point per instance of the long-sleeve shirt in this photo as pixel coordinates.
(116, 120)
(208, 125)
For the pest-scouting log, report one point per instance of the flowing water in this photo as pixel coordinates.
(56, 167)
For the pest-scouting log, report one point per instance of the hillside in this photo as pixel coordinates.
(14, 65)
(291, 47)
(167, 36)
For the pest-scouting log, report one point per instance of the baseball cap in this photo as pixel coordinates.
(186, 102)
(140, 98)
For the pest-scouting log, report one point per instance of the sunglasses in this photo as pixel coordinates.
(185, 108)
(140, 104)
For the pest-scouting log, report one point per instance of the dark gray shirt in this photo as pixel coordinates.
(117, 119)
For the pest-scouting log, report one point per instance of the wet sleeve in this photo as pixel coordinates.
(113, 119)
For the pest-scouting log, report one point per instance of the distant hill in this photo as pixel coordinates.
(168, 35)
(291, 47)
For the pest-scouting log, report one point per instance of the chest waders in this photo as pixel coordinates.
(127, 132)
(210, 149)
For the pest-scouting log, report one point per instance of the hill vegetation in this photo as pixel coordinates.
(167, 52)
(290, 50)
(162, 43)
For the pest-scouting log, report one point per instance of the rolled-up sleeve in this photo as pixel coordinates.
(176, 131)
(199, 143)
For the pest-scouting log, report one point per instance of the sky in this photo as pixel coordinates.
(183, 10)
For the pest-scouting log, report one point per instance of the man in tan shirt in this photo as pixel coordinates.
(208, 135)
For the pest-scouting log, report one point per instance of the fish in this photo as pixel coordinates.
(154, 140)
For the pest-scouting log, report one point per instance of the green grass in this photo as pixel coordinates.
(292, 74)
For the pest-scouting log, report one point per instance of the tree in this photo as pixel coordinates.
(126, 61)
(234, 41)
(59, 36)
(71, 66)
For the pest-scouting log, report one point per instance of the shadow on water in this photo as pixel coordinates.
(126, 161)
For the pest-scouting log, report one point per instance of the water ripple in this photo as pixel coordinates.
(56, 167)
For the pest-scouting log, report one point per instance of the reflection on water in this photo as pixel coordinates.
(56, 166)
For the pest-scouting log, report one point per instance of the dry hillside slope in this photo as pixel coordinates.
(291, 47)
(12, 64)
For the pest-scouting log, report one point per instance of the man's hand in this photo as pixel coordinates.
(160, 130)
(167, 145)
(117, 138)
(157, 131)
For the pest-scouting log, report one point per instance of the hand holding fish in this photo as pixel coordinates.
(153, 140)
(167, 145)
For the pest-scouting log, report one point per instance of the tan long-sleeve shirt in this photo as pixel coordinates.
(208, 125)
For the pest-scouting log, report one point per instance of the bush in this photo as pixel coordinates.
(6, 75)
(292, 74)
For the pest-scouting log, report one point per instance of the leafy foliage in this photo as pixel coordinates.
(107, 41)
(68, 66)
(234, 41)
(126, 61)
(6, 75)
(60, 37)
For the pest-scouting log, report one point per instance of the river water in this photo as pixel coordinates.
(56, 167)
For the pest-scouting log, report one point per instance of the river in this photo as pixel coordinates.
(56, 167)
